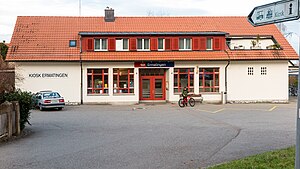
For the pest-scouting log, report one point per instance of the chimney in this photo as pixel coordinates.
(109, 15)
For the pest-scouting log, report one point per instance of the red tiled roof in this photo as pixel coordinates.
(47, 38)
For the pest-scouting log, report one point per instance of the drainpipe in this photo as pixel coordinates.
(81, 72)
(226, 72)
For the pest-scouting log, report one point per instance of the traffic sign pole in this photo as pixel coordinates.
(297, 159)
(277, 12)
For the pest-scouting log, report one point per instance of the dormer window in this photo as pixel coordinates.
(122, 45)
(100, 44)
(161, 44)
(185, 44)
(143, 44)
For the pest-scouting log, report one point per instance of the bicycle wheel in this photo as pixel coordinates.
(192, 102)
(181, 103)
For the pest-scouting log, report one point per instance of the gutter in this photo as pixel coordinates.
(226, 72)
(81, 72)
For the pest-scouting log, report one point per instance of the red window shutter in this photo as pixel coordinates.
(202, 43)
(168, 44)
(217, 43)
(111, 44)
(175, 44)
(153, 45)
(132, 44)
(196, 45)
(90, 44)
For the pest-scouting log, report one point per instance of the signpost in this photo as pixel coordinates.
(277, 12)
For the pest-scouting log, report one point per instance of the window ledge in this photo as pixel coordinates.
(97, 94)
(124, 94)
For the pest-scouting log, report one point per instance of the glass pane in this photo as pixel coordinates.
(89, 91)
(89, 81)
(97, 44)
(217, 80)
(208, 90)
(97, 71)
(188, 43)
(181, 43)
(176, 90)
(146, 44)
(146, 88)
(191, 80)
(175, 80)
(131, 83)
(98, 81)
(160, 43)
(200, 80)
(139, 44)
(208, 43)
(209, 81)
(89, 70)
(183, 80)
(105, 70)
(125, 43)
(105, 81)
(104, 44)
(216, 69)
(131, 90)
(209, 70)
(123, 81)
(158, 88)
(115, 81)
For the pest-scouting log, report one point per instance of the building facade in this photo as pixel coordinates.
(135, 59)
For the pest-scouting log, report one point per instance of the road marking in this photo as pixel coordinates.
(271, 109)
(207, 111)
(218, 110)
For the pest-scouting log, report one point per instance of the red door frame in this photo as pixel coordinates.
(152, 87)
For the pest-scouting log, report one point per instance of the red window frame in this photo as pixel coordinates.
(189, 73)
(130, 86)
(103, 87)
(215, 87)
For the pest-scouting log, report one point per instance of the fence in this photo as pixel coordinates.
(9, 119)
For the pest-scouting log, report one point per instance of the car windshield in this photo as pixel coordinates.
(51, 95)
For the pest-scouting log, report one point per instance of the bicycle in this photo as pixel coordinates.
(184, 102)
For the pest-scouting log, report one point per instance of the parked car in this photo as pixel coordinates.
(48, 99)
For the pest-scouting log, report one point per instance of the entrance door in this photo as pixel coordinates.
(152, 88)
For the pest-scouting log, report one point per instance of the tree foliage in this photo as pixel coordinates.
(25, 101)
(3, 49)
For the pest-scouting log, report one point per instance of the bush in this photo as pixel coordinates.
(25, 101)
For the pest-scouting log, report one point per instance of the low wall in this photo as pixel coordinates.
(9, 119)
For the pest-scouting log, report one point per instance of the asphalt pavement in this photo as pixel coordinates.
(149, 136)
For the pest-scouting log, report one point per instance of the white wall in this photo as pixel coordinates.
(68, 87)
(110, 97)
(257, 87)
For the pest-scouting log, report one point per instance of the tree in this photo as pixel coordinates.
(4, 49)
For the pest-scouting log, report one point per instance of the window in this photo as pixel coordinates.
(183, 77)
(143, 44)
(97, 81)
(100, 44)
(72, 43)
(122, 45)
(124, 80)
(250, 71)
(185, 44)
(263, 70)
(161, 44)
(209, 79)
(209, 44)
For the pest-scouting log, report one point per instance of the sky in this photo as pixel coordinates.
(13, 8)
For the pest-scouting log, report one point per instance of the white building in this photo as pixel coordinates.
(134, 59)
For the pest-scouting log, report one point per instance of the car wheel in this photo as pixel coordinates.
(41, 108)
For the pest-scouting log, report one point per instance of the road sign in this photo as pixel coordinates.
(276, 12)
